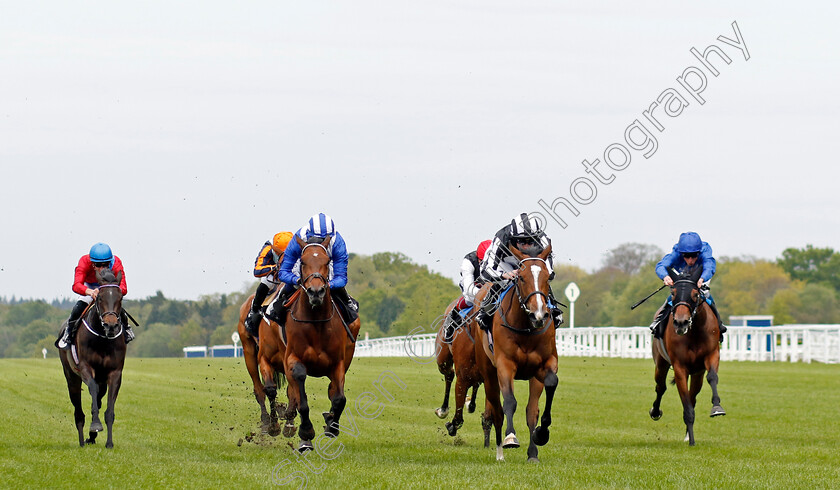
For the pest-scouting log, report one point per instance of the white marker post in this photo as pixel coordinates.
(44, 351)
(572, 293)
(235, 339)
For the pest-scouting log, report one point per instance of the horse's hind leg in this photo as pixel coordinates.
(471, 406)
(270, 389)
(114, 382)
(249, 352)
(102, 388)
(532, 412)
(93, 388)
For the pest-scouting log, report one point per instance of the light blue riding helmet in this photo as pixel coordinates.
(689, 243)
(101, 252)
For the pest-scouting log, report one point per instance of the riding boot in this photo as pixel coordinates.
(351, 307)
(252, 321)
(277, 310)
(657, 328)
(68, 335)
(721, 326)
(488, 307)
(556, 312)
(451, 322)
(129, 333)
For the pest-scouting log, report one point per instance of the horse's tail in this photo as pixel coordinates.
(279, 380)
(673, 381)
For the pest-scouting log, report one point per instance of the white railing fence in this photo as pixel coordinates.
(789, 343)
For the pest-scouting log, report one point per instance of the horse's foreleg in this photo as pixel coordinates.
(249, 352)
(695, 385)
(93, 388)
(306, 431)
(532, 412)
(660, 376)
(541, 433)
(337, 401)
(712, 365)
(460, 398)
(506, 374)
(269, 388)
(493, 409)
(471, 406)
(681, 379)
(114, 382)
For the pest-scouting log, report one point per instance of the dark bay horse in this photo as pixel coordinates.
(317, 343)
(524, 347)
(690, 345)
(96, 357)
(457, 357)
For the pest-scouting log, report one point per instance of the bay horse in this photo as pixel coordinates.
(457, 358)
(689, 345)
(96, 357)
(524, 347)
(250, 349)
(315, 342)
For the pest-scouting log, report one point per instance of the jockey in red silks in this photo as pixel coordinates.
(470, 284)
(85, 284)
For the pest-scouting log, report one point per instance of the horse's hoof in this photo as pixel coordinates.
(89, 441)
(289, 429)
(510, 442)
(471, 407)
(109, 445)
(717, 410)
(655, 415)
(441, 412)
(451, 429)
(96, 426)
(305, 446)
(534, 459)
(274, 430)
(541, 435)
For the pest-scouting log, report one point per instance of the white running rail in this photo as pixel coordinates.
(787, 343)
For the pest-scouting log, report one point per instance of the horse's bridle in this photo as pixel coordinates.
(523, 303)
(102, 316)
(315, 275)
(693, 308)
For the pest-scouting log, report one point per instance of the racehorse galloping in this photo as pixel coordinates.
(316, 343)
(97, 357)
(524, 348)
(460, 352)
(250, 350)
(690, 345)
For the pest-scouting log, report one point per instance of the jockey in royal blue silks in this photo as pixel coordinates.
(687, 253)
(316, 230)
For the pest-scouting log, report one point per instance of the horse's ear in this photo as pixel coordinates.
(673, 273)
(545, 253)
(119, 277)
(300, 242)
(326, 242)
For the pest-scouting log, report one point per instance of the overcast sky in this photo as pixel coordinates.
(185, 134)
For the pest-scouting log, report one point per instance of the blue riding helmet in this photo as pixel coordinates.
(101, 252)
(689, 243)
(320, 225)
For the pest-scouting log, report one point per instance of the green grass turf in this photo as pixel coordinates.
(180, 423)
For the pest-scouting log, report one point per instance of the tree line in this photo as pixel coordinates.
(397, 295)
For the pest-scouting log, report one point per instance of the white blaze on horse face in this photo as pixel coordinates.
(535, 270)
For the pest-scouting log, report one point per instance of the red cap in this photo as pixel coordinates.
(482, 249)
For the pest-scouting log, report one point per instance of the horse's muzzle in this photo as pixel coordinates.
(537, 319)
(316, 296)
(682, 326)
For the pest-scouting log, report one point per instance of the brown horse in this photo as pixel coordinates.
(524, 347)
(250, 350)
(96, 357)
(315, 342)
(690, 345)
(460, 353)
